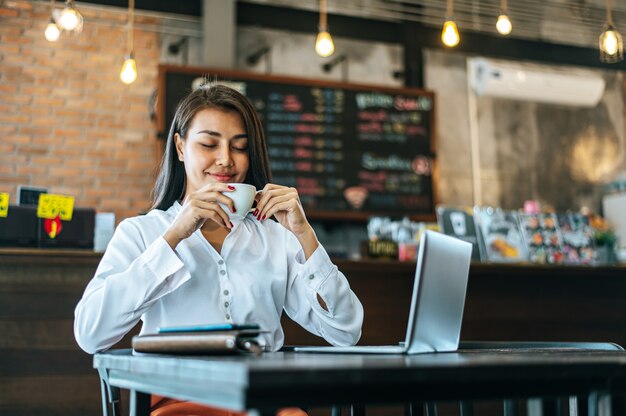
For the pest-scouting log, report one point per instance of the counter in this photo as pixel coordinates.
(40, 361)
(514, 302)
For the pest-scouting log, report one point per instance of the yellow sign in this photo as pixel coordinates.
(4, 204)
(51, 205)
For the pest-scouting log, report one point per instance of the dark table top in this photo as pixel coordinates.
(288, 378)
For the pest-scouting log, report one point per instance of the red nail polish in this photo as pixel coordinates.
(232, 188)
(264, 216)
(234, 209)
(231, 224)
(256, 211)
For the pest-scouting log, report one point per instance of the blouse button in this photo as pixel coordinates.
(311, 276)
(227, 316)
(226, 304)
(222, 272)
(220, 262)
(226, 292)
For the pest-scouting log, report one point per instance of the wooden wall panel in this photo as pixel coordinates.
(504, 302)
(77, 395)
(42, 369)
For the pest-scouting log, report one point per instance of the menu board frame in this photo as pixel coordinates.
(315, 214)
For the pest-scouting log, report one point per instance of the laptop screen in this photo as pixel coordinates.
(439, 290)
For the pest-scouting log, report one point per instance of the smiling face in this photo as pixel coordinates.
(215, 149)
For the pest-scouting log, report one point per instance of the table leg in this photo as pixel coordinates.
(357, 410)
(534, 407)
(573, 405)
(618, 403)
(467, 408)
(414, 409)
(510, 407)
(604, 405)
(543, 407)
(599, 404)
(417, 409)
(139, 403)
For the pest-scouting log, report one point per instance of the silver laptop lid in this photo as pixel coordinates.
(438, 293)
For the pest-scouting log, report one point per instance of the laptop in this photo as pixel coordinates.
(437, 302)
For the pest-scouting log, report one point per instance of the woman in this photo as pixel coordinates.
(187, 263)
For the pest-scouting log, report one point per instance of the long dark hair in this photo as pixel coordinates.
(170, 181)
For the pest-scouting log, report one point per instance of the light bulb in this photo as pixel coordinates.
(610, 43)
(503, 25)
(52, 32)
(450, 34)
(69, 18)
(324, 44)
(128, 75)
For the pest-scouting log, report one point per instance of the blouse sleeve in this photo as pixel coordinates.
(131, 276)
(339, 325)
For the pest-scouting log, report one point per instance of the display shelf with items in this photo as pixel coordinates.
(613, 209)
(604, 239)
(459, 222)
(577, 237)
(501, 237)
(532, 236)
(394, 239)
(542, 237)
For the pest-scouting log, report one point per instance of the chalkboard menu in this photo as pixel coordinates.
(351, 151)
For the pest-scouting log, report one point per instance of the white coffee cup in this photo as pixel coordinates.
(243, 197)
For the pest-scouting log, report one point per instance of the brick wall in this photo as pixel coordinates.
(67, 122)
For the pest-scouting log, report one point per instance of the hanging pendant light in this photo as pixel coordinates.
(324, 46)
(53, 31)
(504, 25)
(70, 19)
(450, 33)
(128, 74)
(610, 41)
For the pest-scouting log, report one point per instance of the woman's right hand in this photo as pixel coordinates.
(197, 208)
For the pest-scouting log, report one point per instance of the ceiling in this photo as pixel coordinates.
(569, 22)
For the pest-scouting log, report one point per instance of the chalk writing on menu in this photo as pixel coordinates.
(392, 140)
(304, 135)
(345, 149)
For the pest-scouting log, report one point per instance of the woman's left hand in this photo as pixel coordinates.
(282, 202)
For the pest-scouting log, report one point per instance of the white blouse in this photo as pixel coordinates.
(260, 271)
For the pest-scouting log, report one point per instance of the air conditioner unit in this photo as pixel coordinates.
(534, 83)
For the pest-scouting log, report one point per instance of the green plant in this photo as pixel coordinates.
(603, 234)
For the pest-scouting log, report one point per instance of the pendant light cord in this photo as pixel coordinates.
(131, 19)
(323, 7)
(450, 9)
(609, 14)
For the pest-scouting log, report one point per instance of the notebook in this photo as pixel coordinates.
(437, 301)
(207, 342)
